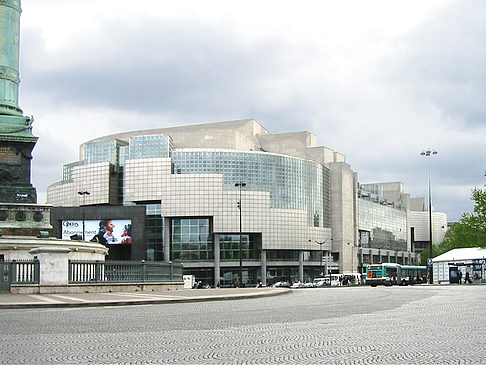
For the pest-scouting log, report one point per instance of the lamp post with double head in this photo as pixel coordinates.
(83, 194)
(240, 184)
(322, 255)
(428, 153)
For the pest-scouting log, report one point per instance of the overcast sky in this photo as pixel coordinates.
(378, 81)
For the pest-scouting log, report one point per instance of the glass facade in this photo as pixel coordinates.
(282, 255)
(292, 183)
(154, 232)
(230, 247)
(67, 170)
(103, 151)
(381, 226)
(124, 154)
(152, 146)
(230, 276)
(206, 275)
(373, 189)
(191, 239)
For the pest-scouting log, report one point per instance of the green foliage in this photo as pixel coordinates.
(470, 231)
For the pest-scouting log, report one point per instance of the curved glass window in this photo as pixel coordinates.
(293, 183)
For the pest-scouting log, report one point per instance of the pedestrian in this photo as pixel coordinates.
(345, 280)
(467, 280)
(459, 276)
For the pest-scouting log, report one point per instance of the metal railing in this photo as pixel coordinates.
(25, 272)
(18, 272)
(123, 272)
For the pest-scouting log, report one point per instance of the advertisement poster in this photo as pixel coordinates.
(106, 231)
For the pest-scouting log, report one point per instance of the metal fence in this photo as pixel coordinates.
(18, 272)
(123, 272)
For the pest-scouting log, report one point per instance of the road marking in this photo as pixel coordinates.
(140, 295)
(70, 298)
(45, 299)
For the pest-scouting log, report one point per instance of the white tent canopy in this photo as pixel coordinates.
(462, 254)
(470, 260)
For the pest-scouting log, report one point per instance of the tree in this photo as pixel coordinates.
(470, 231)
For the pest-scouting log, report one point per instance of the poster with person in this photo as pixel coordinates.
(105, 231)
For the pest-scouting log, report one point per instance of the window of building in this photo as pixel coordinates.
(191, 239)
(230, 247)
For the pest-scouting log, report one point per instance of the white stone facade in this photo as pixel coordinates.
(420, 222)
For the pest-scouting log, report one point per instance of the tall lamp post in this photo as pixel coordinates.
(427, 153)
(322, 256)
(83, 194)
(240, 184)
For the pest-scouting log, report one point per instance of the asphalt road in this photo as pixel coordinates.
(355, 325)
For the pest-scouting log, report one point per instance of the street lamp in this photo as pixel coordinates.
(83, 194)
(322, 255)
(427, 153)
(240, 184)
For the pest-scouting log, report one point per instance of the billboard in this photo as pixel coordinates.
(106, 231)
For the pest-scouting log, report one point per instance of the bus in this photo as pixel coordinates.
(413, 274)
(395, 274)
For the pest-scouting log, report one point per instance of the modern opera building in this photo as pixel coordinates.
(182, 189)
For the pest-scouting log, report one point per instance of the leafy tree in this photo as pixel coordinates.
(470, 231)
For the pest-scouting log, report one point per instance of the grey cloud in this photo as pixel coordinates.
(199, 68)
(199, 72)
(443, 62)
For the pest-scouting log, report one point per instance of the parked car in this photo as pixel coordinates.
(281, 284)
(321, 282)
(297, 285)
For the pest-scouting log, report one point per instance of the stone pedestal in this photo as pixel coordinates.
(53, 264)
(24, 219)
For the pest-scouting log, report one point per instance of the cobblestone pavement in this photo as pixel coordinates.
(356, 325)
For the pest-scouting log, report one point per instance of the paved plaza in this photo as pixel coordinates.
(355, 325)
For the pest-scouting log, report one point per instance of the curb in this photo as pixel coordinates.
(104, 303)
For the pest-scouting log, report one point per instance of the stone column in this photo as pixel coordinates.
(9, 57)
(217, 259)
(167, 223)
(16, 138)
(301, 266)
(264, 267)
(53, 263)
